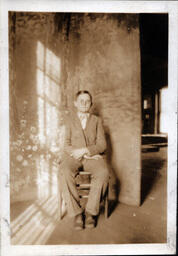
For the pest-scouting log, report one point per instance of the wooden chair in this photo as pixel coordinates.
(83, 187)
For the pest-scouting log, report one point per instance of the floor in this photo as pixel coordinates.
(37, 222)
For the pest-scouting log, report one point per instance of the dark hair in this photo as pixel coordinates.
(83, 92)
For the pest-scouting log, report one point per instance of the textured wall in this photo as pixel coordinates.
(107, 62)
(98, 52)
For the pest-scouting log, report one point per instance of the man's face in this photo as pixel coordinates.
(83, 103)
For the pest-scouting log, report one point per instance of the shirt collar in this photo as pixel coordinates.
(83, 114)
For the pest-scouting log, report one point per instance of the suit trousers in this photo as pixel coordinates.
(99, 180)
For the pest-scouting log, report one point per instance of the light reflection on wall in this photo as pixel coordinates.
(49, 128)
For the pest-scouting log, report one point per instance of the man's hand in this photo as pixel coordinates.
(79, 153)
(95, 157)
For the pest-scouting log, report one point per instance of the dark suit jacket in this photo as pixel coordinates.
(92, 137)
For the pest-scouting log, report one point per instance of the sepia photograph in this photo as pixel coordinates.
(89, 130)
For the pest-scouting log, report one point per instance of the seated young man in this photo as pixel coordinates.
(84, 145)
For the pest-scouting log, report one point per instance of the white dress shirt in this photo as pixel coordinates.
(83, 119)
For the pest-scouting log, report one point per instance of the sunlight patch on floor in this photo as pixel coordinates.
(36, 223)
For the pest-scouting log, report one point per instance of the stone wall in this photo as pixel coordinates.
(64, 53)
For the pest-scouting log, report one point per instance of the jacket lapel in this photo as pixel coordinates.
(77, 121)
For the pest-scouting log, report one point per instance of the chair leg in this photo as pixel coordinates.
(59, 206)
(59, 209)
(106, 202)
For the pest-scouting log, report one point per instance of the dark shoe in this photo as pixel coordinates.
(78, 222)
(89, 220)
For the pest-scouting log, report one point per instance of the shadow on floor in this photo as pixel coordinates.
(150, 175)
(112, 204)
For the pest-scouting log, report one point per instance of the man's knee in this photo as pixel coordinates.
(66, 168)
(69, 167)
(102, 175)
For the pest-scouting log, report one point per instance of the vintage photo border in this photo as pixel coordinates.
(170, 7)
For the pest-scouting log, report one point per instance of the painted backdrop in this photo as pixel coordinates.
(51, 57)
